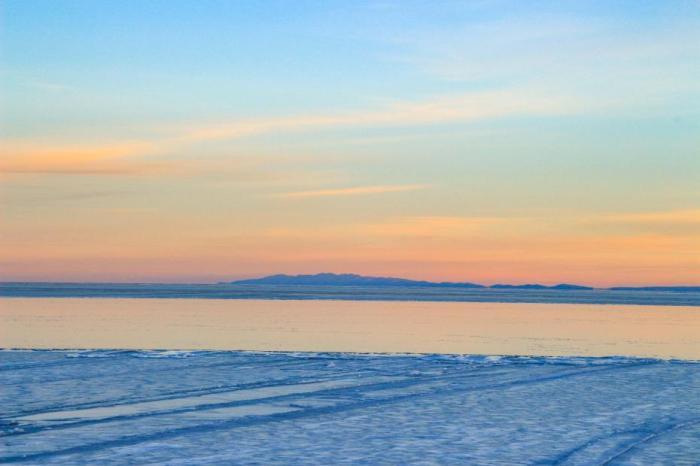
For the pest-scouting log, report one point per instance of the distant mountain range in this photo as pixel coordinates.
(656, 288)
(535, 286)
(350, 279)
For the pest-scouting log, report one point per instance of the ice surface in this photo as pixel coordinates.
(180, 408)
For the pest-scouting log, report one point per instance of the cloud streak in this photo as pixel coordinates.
(76, 159)
(354, 191)
(123, 157)
(444, 109)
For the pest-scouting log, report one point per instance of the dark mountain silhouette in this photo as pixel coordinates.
(536, 286)
(348, 279)
(681, 289)
(531, 286)
(568, 286)
(351, 279)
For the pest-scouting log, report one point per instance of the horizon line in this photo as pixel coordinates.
(232, 281)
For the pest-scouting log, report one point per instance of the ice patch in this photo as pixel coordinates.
(159, 407)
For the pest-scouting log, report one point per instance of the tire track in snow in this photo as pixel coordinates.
(627, 449)
(117, 401)
(405, 382)
(310, 412)
(276, 361)
(640, 436)
(172, 395)
(280, 363)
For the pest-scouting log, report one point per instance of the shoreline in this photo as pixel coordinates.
(349, 293)
(182, 353)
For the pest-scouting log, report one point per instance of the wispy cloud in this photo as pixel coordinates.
(102, 169)
(569, 55)
(43, 197)
(604, 231)
(75, 159)
(433, 226)
(690, 216)
(123, 157)
(410, 228)
(443, 109)
(354, 191)
(670, 222)
(50, 86)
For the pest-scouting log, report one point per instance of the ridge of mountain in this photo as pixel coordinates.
(351, 279)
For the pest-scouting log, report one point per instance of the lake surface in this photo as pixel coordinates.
(689, 297)
(305, 395)
(352, 326)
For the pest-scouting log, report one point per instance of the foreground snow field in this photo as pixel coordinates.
(178, 408)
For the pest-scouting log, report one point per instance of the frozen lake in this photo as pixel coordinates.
(352, 326)
(222, 408)
(318, 401)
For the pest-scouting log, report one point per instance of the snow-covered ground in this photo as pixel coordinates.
(177, 408)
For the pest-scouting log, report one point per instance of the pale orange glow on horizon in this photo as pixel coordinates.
(482, 250)
(488, 147)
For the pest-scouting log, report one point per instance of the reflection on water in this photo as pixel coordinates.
(358, 326)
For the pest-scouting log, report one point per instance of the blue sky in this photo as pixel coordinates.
(541, 140)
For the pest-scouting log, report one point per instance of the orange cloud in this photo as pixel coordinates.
(74, 159)
(29, 157)
(671, 222)
(665, 217)
(359, 190)
(432, 226)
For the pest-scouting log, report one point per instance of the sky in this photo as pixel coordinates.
(486, 141)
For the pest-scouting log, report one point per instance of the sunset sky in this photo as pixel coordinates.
(486, 141)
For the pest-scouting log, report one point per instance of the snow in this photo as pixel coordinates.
(218, 407)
